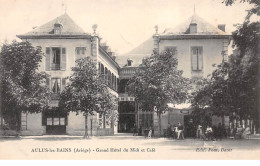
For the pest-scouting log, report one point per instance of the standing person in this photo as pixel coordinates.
(209, 133)
(175, 133)
(220, 131)
(140, 131)
(134, 131)
(146, 132)
(180, 131)
(169, 130)
(199, 131)
(215, 130)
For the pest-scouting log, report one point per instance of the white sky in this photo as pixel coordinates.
(123, 24)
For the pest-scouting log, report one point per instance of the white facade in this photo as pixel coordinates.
(62, 43)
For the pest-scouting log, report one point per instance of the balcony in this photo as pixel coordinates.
(55, 66)
(55, 96)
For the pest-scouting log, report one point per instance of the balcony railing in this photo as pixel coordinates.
(55, 96)
(55, 66)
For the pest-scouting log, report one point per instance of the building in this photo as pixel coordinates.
(197, 45)
(63, 42)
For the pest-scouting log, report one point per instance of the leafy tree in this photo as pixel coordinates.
(87, 92)
(254, 10)
(22, 86)
(234, 86)
(157, 82)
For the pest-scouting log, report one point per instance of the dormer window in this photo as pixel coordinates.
(58, 27)
(193, 28)
(129, 62)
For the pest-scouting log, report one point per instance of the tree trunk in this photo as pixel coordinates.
(18, 124)
(2, 121)
(223, 120)
(160, 126)
(86, 127)
(104, 121)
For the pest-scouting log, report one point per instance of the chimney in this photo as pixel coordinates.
(193, 28)
(156, 40)
(222, 27)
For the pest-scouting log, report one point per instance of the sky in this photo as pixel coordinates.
(122, 24)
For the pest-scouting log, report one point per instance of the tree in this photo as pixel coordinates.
(234, 86)
(212, 95)
(254, 10)
(22, 86)
(157, 82)
(87, 92)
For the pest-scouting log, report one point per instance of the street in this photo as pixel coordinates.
(125, 146)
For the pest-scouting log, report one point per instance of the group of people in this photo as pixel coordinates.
(176, 131)
(139, 131)
(210, 133)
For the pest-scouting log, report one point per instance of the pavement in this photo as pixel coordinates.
(125, 146)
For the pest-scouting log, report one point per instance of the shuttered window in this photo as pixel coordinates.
(63, 59)
(196, 58)
(47, 58)
(55, 58)
(63, 83)
(55, 85)
(80, 52)
(171, 49)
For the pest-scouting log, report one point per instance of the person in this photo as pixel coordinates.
(199, 131)
(209, 133)
(169, 130)
(215, 132)
(246, 133)
(220, 131)
(134, 131)
(140, 131)
(146, 132)
(180, 131)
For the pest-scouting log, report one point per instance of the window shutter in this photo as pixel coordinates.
(200, 65)
(77, 53)
(63, 83)
(47, 58)
(63, 59)
(194, 59)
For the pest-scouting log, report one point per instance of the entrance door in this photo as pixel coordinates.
(56, 125)
(126, 123)
(55, 121)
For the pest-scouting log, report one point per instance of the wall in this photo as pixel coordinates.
(34, 125)
(70, 45)
(76, 123)
(212, 49)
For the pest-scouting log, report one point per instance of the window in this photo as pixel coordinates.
(56, 85)
(49, 121)
(56, 121)
(80, 52)
(55, 58)
(171, 49)
(196, 58)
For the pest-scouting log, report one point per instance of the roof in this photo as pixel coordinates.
(137, 54)
(203, 28)
(69, 28)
